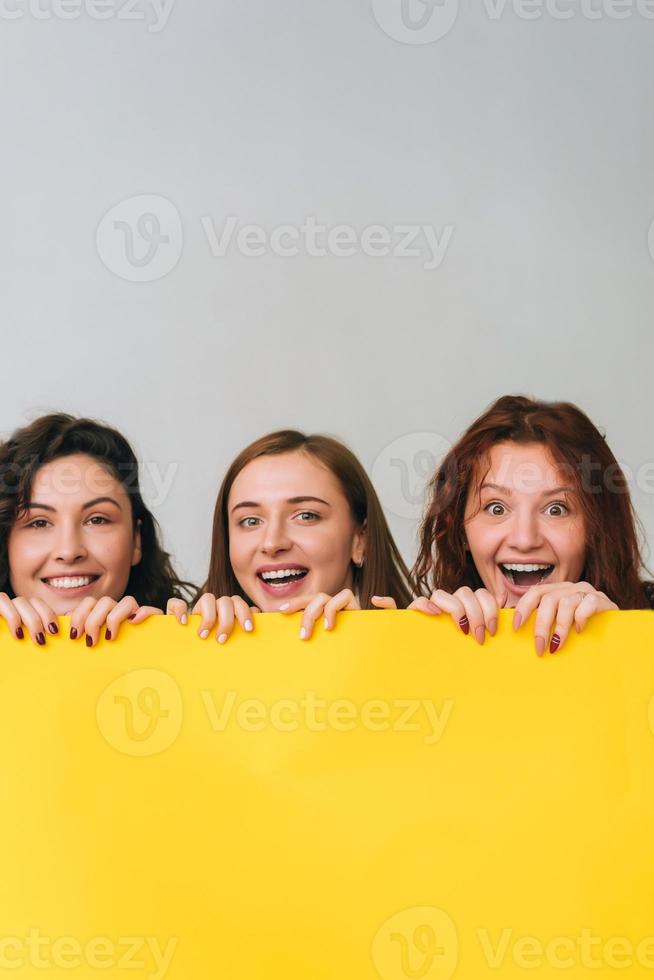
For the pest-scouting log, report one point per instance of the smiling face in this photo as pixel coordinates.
(76, 539)
(291, 530)
(523, 522)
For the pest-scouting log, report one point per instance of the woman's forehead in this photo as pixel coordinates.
(527, 468)
(74, 478)
(283, 477)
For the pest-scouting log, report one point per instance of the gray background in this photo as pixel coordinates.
(531, 138)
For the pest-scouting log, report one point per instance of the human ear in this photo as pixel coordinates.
(137, 552)
(359, 545)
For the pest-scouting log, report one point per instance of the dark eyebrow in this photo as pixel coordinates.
(32, 505)
(546, 493)
(252, 504)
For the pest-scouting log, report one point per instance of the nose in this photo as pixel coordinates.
(69, 545)
(525, 532)
(276, 538)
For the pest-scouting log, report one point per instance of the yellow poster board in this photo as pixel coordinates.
(388, 800)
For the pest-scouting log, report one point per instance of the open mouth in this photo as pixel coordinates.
(68, 583)
(524, 575)
(281, 577)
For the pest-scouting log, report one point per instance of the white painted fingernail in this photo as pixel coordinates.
(249, 626)
(222, 638)
(303, 634)
(285, 606)
(326, 623)
(184, 620)
(204, 634)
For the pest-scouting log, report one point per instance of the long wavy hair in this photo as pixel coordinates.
(383, 573)
(153, 581)
(614, 563)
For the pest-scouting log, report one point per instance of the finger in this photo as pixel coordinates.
(97, 618)
(244, 613)
(473, 612)
(426, 606)
(342, 600)
(48, 617)
(297, 603)
(452, 604)
(591, 603)
(489, 609)
(565, 617)
(179, 609)
(311, 613)
(207, 607)
(31, 618)
(126, 609)
(11, 615)
(545, 617)
(79, 616)
(383, 602)
(225, 608)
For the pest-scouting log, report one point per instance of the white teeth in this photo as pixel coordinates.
(282, 573)
(525, 568)
(70, 583)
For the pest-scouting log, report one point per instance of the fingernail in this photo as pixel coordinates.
(464, 624)
(249, 625)
(40, 639)
(492, 627)
(73, 633)
(107, 634)
(130, 618)
(89, 640)
(326, 623)
(517, 621)
(54, 629)
(285, 606)
(303, 634)
(222, 638)
(204, 634)
(555, 643)
(184, 620)
(480, 635)
(540, 645)
(19, 633)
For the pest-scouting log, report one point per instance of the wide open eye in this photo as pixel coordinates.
(557, 510)
(495, 509)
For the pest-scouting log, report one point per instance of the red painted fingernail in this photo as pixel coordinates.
(19, 633)
(107, 635)
(89, 640)
(555, 643)
(130, 618)
(73, 633)
(40, 639)
(53, 628)
(464, 624)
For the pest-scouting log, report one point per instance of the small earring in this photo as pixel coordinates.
(359, 564)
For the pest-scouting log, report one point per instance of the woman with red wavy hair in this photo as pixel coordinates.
(531, 510)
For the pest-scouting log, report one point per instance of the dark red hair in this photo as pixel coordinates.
(613, 560)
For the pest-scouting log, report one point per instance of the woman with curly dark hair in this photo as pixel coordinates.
(76, 537)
